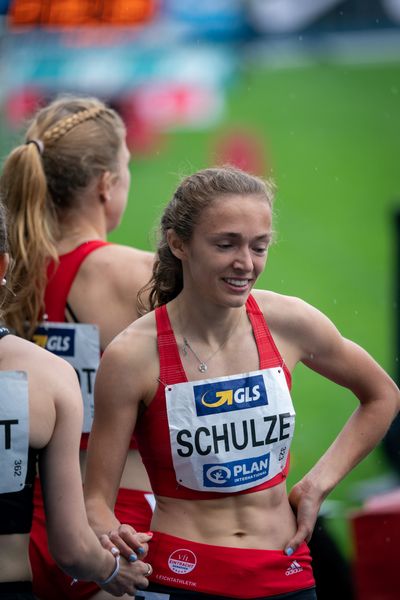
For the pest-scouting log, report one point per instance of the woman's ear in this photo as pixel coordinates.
(176, 244)
(104, 186)
(4, 261)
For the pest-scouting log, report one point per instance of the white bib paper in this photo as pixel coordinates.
(14, 430)
(79, 344)
(230, 433)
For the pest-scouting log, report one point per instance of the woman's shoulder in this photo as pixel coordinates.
(20, 349)
(117, 255)
(273, 303)
(16, 349)
(284, 313)
(52, 383)
(106, 287)
(133, 354)
(137, 338)
(124, 268)
(296, 321)
(22, 355)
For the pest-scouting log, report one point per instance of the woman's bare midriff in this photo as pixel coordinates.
(262, 519)
(14, 563)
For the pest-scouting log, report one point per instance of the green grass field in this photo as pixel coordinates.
(332, 135)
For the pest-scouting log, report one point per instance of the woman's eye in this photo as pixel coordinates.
(224, 245)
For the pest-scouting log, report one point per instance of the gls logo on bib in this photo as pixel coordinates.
(230, 395)
(61, 341)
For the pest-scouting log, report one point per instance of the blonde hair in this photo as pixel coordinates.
(194, 195)
(69, 142)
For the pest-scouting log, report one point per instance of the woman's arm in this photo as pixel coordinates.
(323, 349)
(71, 540)
(119, 389)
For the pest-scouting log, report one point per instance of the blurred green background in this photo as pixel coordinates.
(331, 135)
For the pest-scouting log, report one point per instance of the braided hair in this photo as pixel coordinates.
(68, 143)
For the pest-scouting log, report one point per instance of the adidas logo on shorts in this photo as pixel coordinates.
(294, 568)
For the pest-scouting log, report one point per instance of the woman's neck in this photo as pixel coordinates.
(76, 231)
(208, 325)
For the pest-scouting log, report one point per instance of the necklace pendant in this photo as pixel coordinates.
(202, 367)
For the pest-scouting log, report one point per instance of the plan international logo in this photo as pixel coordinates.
(236, 472)
(230, 395)
(56, 339)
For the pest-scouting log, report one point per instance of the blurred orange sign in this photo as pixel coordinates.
(80, 12)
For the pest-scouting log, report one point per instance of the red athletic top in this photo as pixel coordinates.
(60, 279)
(152, 432)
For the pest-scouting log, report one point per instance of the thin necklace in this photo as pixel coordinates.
(203, 366)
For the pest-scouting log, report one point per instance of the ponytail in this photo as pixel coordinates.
(31, 237)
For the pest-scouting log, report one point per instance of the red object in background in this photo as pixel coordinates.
(376, 533)
(168, 105)
(242, 149)
(21, 105)
(141, 137)
(80, 12)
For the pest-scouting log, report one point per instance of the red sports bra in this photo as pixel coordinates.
(152, 429)
(60, 279)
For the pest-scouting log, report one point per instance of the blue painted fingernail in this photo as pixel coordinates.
(140, 550)
(289, 551)
(132, 557)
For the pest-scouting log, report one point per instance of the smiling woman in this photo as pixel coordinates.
(205, 381)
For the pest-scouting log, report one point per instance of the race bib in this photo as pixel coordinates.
(14, 430)
(79, 344)
(230, 433)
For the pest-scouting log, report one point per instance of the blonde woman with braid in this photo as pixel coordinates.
(66, 188)
(40, 420)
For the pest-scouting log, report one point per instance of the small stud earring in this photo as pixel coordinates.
(3, 281)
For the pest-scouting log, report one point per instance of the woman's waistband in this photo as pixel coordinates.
(226, 571)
